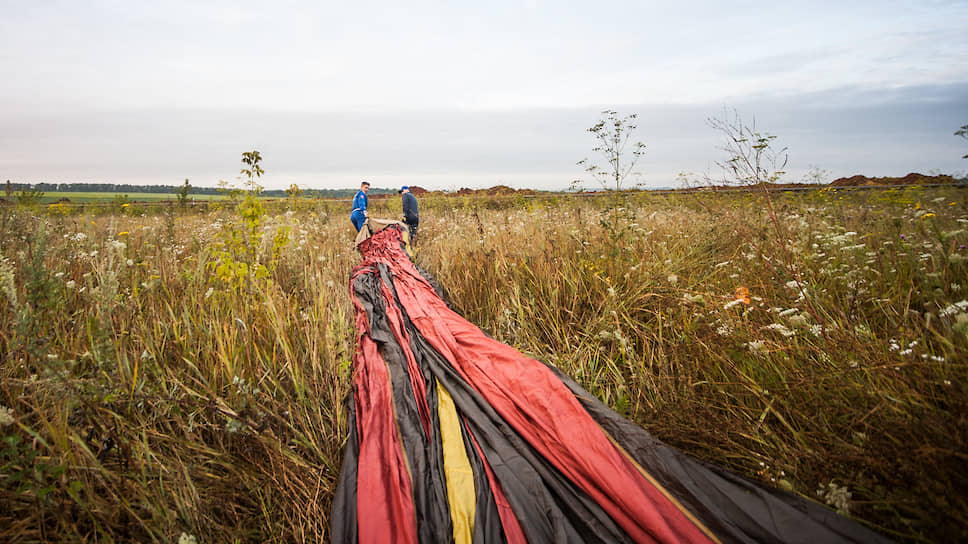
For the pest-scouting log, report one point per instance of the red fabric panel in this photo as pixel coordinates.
(384, 495)
(540, 407)
(395, 318)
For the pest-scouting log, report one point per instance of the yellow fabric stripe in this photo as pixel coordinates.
(457, 469)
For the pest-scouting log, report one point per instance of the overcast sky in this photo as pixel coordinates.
(459, 94)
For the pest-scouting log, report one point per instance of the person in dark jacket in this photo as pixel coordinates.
(410, 215)
(359, 213)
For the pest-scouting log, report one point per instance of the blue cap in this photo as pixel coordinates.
(404, 188)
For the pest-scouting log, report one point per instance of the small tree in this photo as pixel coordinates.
(237, 261)
(29, 196)
(963, 132)
(293, 193)
(252, 171)
(614, 134)
(183, 194)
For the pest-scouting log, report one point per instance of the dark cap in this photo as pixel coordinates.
(404, 188)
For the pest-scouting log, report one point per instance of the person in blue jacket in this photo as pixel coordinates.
(410, 215)
(359, 213)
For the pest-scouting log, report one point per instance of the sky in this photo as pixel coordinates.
(446, 95)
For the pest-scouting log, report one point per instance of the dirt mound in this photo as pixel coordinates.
(910, 179)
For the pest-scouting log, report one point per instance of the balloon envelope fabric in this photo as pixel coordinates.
(456, 437)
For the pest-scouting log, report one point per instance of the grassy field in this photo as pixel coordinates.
(168, 374)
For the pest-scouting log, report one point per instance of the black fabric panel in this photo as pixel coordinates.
(735, 508)
(487, 519)
(343, 521)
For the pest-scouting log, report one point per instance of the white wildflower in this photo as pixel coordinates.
(692, 298)
(70, 284)
(836, 496)
(6, 416)
(799, 320)
(673, 279)
(233, 426)
(209, 292)
(186, 538)
(954, 234)
(757, 346)
(955, 308)
(7, 281)
(780, 328)
(789, 312)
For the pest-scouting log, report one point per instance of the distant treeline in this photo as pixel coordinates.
(174, 189)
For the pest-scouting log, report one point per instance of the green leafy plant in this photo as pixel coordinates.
(238, 260)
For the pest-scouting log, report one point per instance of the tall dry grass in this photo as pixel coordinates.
(151, 393)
